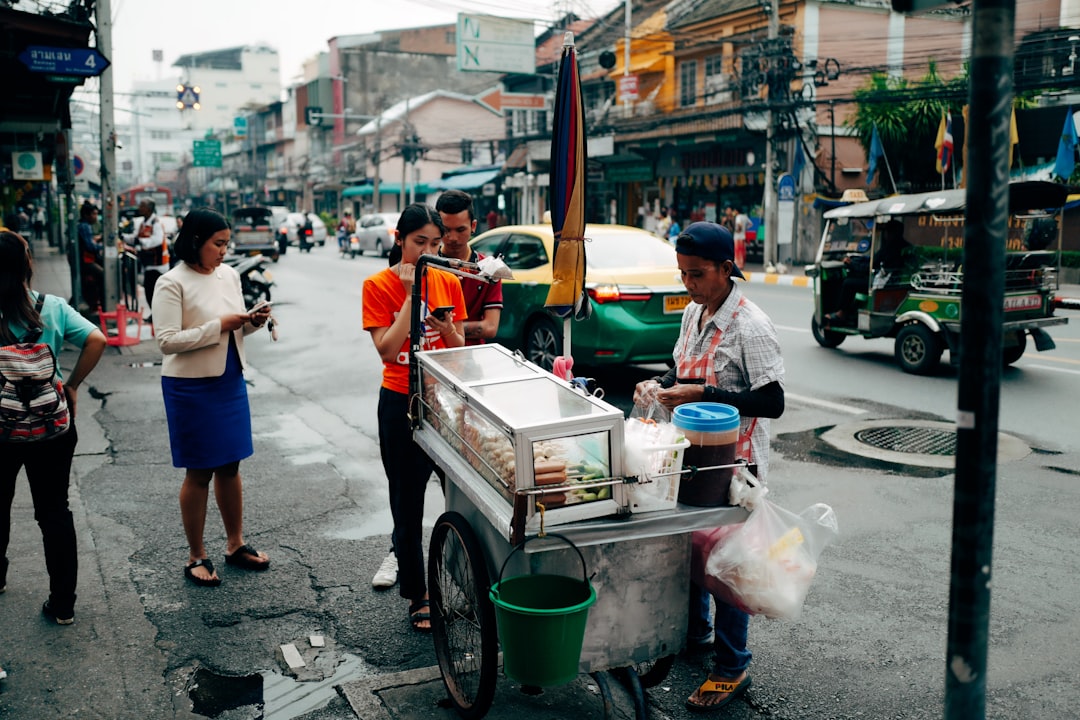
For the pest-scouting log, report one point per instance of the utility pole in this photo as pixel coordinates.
(628, 103)
(376, 199)
(979, 379)
(404, 155)
(771, 214)
(110, 212)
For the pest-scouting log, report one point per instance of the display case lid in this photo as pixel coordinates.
(538, 400)
(480, 363)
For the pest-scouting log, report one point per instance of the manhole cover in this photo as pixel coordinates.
(916, 440)
(923, 443)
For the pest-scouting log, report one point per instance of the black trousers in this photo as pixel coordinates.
(408, 470)
(48, 470)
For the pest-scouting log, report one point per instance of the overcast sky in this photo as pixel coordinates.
(297, 29)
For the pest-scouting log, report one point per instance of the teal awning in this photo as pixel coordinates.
(467, 180)
(386, 188)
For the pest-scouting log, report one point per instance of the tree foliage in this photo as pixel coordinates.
(907, 114)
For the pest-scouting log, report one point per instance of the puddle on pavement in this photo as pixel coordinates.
(269, 695)
(370, 526)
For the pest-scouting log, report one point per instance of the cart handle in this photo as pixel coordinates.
(568, 541)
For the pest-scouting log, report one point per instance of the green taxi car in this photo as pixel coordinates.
(633, 284)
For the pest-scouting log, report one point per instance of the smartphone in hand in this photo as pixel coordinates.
(441, 311)
(260, 305)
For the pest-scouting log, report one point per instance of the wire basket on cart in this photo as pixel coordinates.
(658, 470)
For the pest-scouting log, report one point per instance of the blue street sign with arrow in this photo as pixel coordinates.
(83, 62)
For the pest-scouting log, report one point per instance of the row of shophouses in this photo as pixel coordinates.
(678, 120)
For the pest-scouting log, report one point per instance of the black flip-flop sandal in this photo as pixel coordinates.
(418, 613)
(202, 582)
(242, 558)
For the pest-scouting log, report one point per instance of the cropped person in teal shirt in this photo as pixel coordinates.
(47, 462)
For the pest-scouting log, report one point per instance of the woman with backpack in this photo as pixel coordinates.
(41, 439)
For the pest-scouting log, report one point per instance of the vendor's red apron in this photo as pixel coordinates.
(701, 367)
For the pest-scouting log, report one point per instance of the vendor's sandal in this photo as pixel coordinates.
(201, 581)
(246, 557)
(419, 613)
(724, 690)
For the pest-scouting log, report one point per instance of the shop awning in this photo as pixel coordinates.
(467, 180)
(387, 188)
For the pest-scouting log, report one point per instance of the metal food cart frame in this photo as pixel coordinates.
(639, 564)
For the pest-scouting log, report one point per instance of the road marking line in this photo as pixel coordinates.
(1051, 358)
(825, 404)
(1055, 369)
(788, 328)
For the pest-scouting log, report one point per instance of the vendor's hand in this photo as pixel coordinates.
(234, 321)
(260, 316)
(645, 392)
(678, 394)
(406, 273)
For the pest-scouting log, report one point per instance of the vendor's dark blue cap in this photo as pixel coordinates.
(710, 241)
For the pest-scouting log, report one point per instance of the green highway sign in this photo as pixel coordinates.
(206, 153)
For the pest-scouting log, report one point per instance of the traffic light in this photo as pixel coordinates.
(313, 115)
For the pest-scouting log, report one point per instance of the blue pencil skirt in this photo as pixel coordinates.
(209, 418)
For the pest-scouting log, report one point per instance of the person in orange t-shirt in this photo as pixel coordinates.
(387, 299)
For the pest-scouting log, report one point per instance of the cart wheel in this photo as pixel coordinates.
(918, 350)
(463, 616)
(652, 673)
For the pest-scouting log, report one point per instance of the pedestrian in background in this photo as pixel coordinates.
(151, 248)
(200, 323)
(663, 224)
(47, 461)
(674, 228)
(91, 257)
(387, 315)
(483, 300)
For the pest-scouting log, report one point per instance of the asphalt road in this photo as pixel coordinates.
(870, 642)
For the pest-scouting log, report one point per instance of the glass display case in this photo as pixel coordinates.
(522, 429)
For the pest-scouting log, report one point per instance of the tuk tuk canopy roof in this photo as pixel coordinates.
(1023, 196)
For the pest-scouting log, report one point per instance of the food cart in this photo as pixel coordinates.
(523, 451)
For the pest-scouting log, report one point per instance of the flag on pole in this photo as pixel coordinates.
(1014, 136)
(876, 153)
(1066, 154)
(944, 143)
(799, 162)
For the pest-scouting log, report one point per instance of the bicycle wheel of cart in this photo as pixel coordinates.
(652, 673)
(462, 616)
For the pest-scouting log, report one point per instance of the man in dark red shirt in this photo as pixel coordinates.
(483, 301)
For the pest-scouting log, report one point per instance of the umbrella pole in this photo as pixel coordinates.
(566, 337)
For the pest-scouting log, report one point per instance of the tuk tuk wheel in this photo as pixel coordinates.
(918, 349)
(825, 338)
(1014, 352)
(462, 616)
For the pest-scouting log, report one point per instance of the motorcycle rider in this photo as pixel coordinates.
(345, 229)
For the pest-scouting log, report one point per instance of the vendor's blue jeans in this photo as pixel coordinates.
(729, 636)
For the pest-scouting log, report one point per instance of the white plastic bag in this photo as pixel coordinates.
(766, 565)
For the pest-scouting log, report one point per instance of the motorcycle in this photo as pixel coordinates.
(348, 245)
(255, 279)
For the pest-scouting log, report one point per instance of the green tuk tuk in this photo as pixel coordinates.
(867, 282)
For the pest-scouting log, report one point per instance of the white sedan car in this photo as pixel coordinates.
(376, 232)
(293, 221)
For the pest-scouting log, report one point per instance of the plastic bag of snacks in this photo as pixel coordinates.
(765, 566)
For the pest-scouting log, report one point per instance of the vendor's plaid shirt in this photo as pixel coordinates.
(747, 358)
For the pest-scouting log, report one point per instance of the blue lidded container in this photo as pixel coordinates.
(713, 432)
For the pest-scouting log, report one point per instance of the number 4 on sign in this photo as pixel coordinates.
(91, 62)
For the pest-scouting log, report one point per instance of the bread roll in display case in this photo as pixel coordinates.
(526, 435)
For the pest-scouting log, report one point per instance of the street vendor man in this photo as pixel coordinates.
(727, 352)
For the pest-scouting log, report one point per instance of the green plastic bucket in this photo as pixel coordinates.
(541, 621)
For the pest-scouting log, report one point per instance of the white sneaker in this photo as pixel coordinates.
(386, 575)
